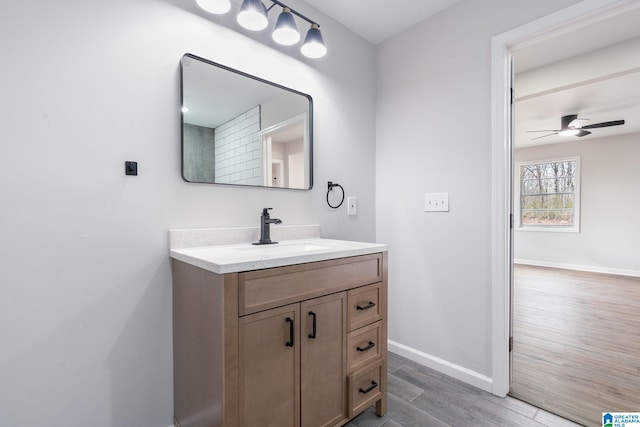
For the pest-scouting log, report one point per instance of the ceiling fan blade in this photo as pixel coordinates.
(604, 124)
(544, 136)
(583, 133)
(547, 130)
(566, 121)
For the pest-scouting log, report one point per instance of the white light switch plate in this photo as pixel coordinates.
(436, 202)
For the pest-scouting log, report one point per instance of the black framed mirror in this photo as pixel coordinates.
(239, 129)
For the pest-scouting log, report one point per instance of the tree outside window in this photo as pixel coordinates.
(548, 193)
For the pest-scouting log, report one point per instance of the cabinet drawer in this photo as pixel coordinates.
(365, 306)
(364, 388)
(264, 289)
(363, 346)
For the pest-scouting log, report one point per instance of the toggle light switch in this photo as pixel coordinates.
(436, 202)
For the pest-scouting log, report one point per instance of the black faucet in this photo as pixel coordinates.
(265, 227)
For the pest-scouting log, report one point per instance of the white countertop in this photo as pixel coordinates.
(243, 257)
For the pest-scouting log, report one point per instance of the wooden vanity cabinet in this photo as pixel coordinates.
(269, 369)
(290, 371)
(323, 361)
(298, 346)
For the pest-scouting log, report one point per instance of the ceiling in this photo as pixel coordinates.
(377, 20)
(615, 95)
(207, 87)
(596, 35)
(611, 97)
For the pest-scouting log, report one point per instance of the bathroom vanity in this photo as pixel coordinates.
(293, 334)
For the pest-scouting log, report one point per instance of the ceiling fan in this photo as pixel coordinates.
(570, 126)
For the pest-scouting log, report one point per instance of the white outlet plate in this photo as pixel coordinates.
(436, 202)
(352, 205)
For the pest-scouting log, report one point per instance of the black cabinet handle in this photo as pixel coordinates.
(368, 389)
(369, 305)
(290, 322)
(367, 347)
(312, 335)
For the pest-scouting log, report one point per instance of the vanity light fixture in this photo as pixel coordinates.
(313, 46)
(217, 7)
(286, 32)
(253, 17)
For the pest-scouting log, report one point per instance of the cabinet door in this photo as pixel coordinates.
(269, 350)
(323, 360)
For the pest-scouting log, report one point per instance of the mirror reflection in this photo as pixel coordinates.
(242, 130)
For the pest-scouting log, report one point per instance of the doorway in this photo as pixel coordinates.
(503, 46)
(575, 299)
(285, 153)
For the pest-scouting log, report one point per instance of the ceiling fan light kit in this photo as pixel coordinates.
(569, 132)
(570, 126)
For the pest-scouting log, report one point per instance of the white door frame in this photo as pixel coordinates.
(266, 160)
(501, 148)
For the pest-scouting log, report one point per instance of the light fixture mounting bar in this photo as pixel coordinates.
(298, 14)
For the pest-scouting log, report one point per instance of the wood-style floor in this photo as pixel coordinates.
(576, 346)
(422, 397)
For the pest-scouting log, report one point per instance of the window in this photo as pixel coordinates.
(549, 195)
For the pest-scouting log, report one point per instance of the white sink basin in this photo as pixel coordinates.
(282, 249)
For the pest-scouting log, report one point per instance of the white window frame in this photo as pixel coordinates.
(575, 228)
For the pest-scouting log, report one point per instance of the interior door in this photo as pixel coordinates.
(324, 360)
(269, 350)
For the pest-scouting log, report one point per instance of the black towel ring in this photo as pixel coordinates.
(330, 187)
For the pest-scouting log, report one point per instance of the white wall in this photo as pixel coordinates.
(610, 202)
(295, 163)
(433, 101)
(85, 311)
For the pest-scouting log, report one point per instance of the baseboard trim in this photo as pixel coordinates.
(458, 372)
(587, 268)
